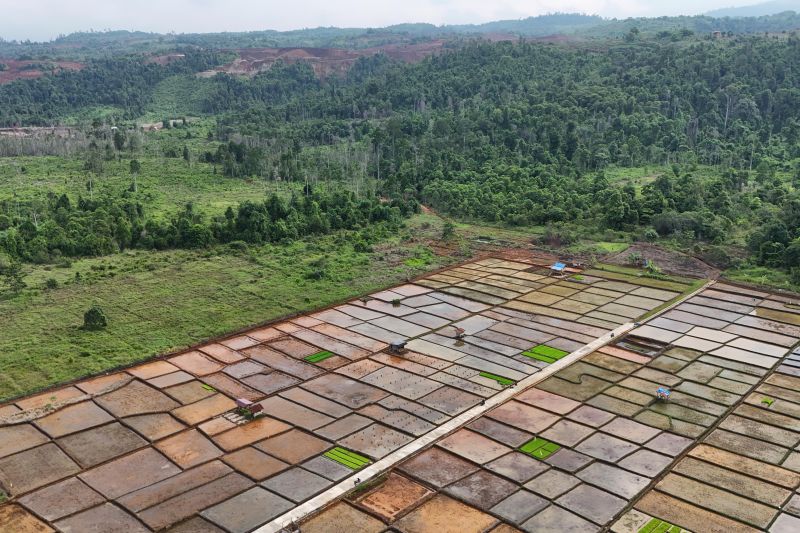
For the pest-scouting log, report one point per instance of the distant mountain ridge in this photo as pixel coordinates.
(82, 46)
(757, 10)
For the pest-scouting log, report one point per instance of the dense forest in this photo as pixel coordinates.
(521, 133)
(514, 133)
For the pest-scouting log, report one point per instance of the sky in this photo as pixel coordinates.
(42, 20)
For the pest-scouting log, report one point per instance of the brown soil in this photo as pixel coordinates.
(324, 61)
(670, 261)
(26, 69)
(165, 59)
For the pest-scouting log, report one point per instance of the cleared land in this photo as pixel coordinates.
(28, 69)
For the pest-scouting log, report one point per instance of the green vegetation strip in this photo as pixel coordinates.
(347, 458)
(319, 356)
(500, 379)
(613, 272)
(545, 353)
(539, 448)
(659, 526)
(696, 284)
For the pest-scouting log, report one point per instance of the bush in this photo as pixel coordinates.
(670, 222)
(361, 246)
(558, 235)
(238, 246)
(717, 256)
(448, 231)
(652, 270)
(317, 269)
(51, 283)
(94, 319)
(634, 258)
(650, 235)
(771, 254)
(794, 275)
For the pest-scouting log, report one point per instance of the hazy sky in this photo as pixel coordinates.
(45, 19)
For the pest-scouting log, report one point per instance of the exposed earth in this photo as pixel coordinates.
(669, 261)
(16, 70)
(324, 61)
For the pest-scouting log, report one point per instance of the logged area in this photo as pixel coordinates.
(324, 61)
(20, 70)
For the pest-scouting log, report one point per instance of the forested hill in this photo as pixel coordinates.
(515, 133)
(521, 133)
(84, 45)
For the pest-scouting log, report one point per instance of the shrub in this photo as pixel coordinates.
(448, 231)
(51, 283)
(634, 258)
(317, 269)
(94, 319)
(717, 256)
(238, 246)
(558, 235)
(361, 246)
(651, 270)
(794, 275)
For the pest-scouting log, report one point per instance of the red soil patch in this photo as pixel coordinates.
(17, 70)
(165, 59)
(324, 61)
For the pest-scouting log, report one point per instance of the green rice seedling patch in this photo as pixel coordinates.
(347, 458)
(659, 526)
(545, 353)
(319, 356)
(539, 448)
(500, 379)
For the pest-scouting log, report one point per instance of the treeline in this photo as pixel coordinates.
(93, 227)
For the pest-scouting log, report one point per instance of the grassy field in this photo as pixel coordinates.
(178, 96)
(637, 176)
(767, 277)
(165, 184)
(157, 302)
